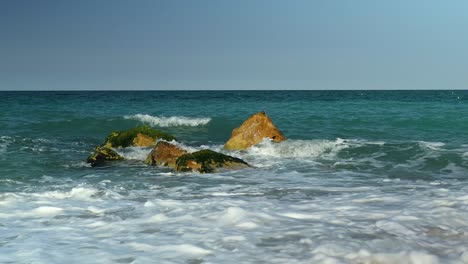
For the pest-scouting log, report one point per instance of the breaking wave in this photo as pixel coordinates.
(134, 153)
(298, 148)
(163, 121)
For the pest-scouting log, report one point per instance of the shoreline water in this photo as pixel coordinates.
(373, 176)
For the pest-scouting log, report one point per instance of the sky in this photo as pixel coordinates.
(236, 45)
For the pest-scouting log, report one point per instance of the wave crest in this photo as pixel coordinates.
(170, 121)
(298, 148)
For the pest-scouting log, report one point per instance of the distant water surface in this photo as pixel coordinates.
(365, 177)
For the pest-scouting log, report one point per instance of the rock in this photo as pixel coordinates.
(101, 155)
(142, 136)
(142, 140)
(206, 161)
(253, 131)
(164, 154)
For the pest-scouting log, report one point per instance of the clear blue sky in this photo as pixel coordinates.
(241, 44)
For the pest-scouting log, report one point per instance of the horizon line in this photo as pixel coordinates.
(227, 90)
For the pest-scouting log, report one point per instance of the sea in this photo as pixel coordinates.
(364, 177)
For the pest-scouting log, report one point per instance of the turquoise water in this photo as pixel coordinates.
(364, 176)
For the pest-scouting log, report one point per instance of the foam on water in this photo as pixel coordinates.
(308, 149)
(140, 153)
(163, 121)
(77, 193)
(134, 153)
(4, 142)
(298, 148)
(359, 154)
(187, 221)
(432, 145)
(404, 257)
(393, 190)
(45, 211)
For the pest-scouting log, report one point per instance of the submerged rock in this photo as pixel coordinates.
(206, 161)
(142, 136)
(253, 131)
(164, 154)
(101, 155)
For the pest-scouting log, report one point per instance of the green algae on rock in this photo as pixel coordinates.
(142, 136)
(206, 161)
(102, 154)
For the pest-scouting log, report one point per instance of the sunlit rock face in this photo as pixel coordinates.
(253, 131)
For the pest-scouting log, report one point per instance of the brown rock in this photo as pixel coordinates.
(207, 161)
(164, 154)
(191, 165)
(253, 131)
(142, 140)
(142, 136)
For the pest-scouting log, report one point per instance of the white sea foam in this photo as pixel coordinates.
(159, 218)
(215, 227)
(298, 148)
(432, 145)
(77, 193)
(4, 142)
(303, 216)
(394, 228)
(404, 257)
(234, 238)
(187, 250)
(134, 153)
(277, 216)
(320, 152)
(190, 148)
(233, 215)
(46, 211)
(235, 194)
(80, 164)
(9, 181)
(237, 217)
(140, 153)
(163, 121)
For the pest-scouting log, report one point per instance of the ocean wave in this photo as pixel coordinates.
(4, 142)
(298, 148)
(134, 153)
(431, 145)
(78, 193)
(163, 121)
(358, 154)
(140, 153)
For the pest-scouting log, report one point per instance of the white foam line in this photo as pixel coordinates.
(163, 121)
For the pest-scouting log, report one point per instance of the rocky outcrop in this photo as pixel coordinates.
(142, 136)
(142, 140)
(164, 154)
(253, 131)
(206, 161)
(101, 155)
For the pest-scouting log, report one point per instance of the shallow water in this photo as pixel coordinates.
(365, 177)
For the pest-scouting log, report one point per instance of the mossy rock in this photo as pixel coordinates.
(126, 138)
(101, 155)
(207, 161)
